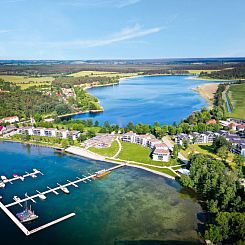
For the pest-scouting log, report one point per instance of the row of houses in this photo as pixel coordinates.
(234, 124)
(160, 151)
(238, 143)
(50, 132)
(10, 119)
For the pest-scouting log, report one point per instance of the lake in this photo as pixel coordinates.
(128, 206)
(147, 99)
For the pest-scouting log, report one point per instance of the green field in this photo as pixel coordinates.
(26, 81)
(161, 170)
(199, 71)
(109, 152)
(236, 94)
(138, 153)
(101, 74)
(205, 149)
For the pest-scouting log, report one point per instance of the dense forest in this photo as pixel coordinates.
(24, 103)
(222, 195)
(233, 73)
(60, 68)
(68, 82)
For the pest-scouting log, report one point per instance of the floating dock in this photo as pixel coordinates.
(22, 177)
(50, 190)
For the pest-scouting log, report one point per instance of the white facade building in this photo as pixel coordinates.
(160, 151)
(50, 132)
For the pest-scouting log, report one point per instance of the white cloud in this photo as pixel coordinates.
(11, 1)
(125, 34)
(5, 31)
(100, 3)
(128, 33)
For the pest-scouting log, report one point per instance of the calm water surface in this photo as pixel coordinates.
(147, 99)
(125, 207)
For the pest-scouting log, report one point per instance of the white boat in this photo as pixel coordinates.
(2, 185)
(21, 178)
(65, 190)
(36, 171)
(33, 176)
(17, 199)
(42, 197)
(4, 179)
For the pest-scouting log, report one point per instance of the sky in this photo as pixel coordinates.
(121, 29)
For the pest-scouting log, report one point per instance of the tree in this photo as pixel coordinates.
(175, 151)
(219, 142)
(185, 143)
(130, 126)
(223, 152)
(64, 143)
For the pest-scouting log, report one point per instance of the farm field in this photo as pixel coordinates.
(101, 73)
(199, 71)
(236, 96)
(26, 81)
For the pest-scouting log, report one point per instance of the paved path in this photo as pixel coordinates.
(170, 145)
(120, 148)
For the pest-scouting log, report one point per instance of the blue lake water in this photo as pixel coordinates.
(147, 99)
(125, 207)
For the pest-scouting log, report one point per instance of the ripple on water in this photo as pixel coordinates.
(126, 207)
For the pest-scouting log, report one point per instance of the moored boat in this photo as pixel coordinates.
(26, 215)
(42, 197)
(101, 173)
(4, 179)
(65, 190)
(2, 185)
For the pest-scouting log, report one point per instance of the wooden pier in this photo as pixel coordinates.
(50, 190)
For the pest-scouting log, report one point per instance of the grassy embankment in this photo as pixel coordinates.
(205, 149)
(109, 152)
(236, 95)
(27, 81)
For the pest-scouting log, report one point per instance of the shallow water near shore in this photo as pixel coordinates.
(147, 99)
(129, 206)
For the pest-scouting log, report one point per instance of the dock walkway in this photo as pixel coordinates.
(50, 190)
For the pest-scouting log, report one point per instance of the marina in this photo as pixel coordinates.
(5, 180)
(28, 214)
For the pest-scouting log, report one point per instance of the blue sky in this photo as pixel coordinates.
(121, 29)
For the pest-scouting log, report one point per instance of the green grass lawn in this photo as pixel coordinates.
(161, 170)
(109, 152)
(205, 149)
(236, 95)
(138, 153)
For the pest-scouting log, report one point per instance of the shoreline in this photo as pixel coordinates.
(207, 91)
(82, 152)
(199, 89)
(32, 143)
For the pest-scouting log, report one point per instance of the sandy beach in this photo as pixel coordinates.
(207, 91)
